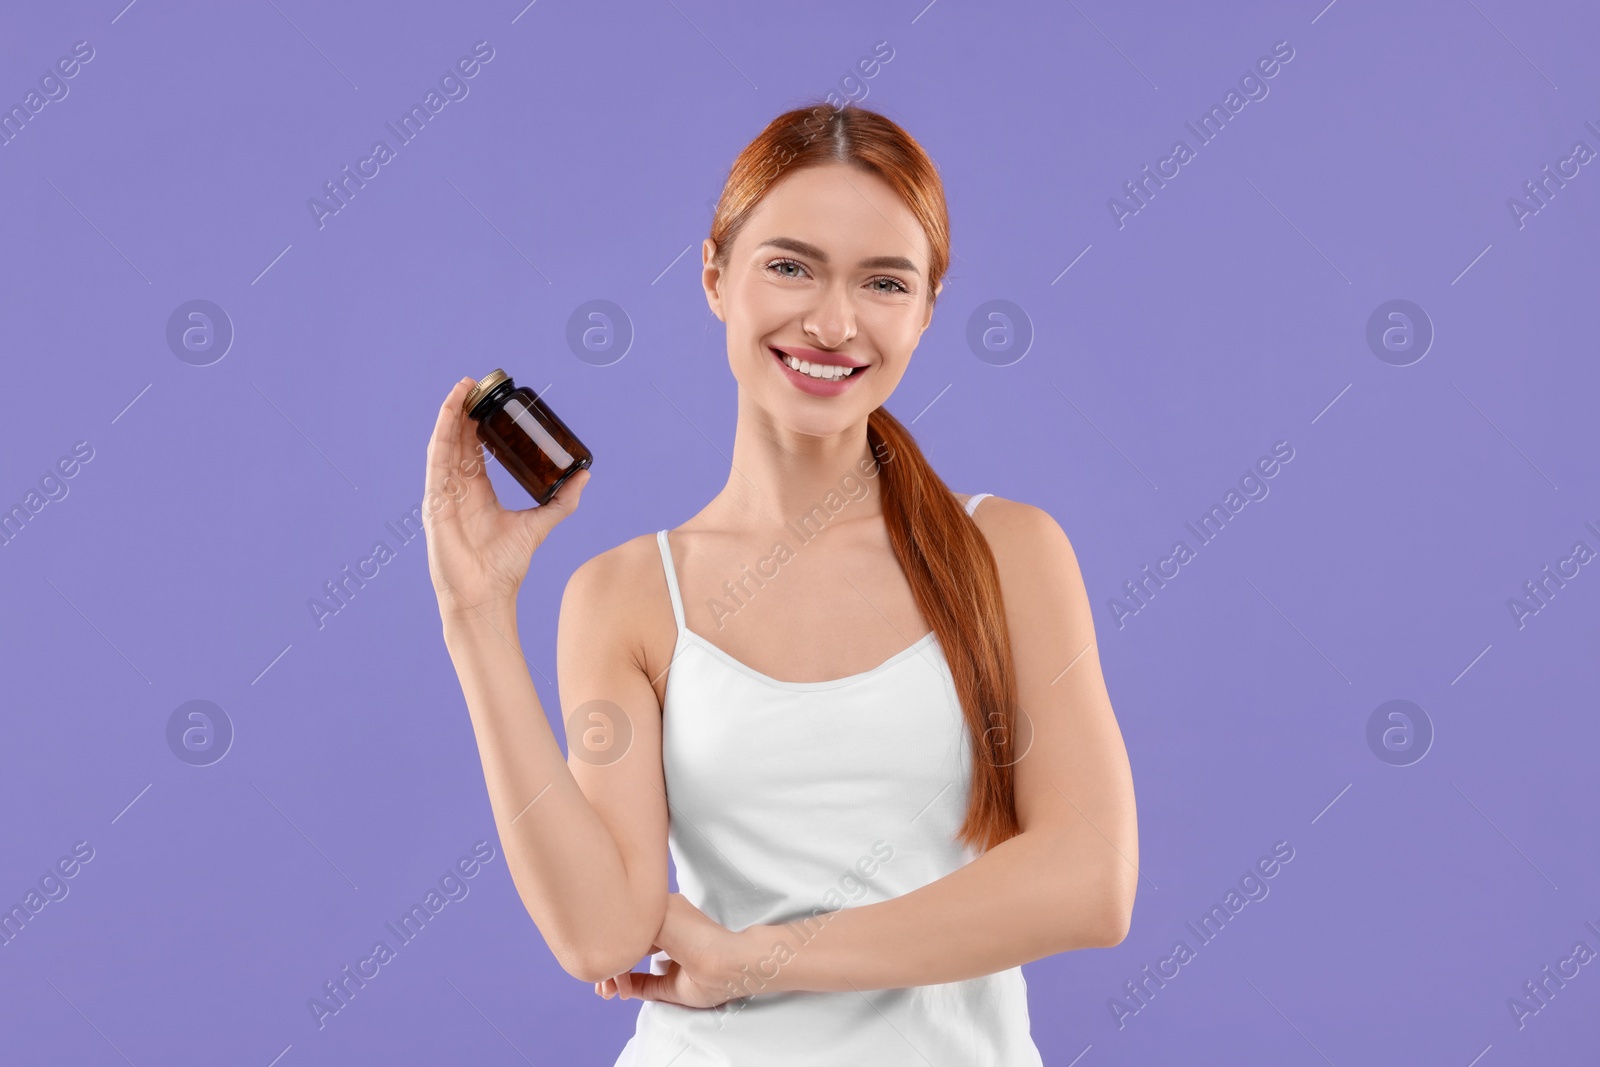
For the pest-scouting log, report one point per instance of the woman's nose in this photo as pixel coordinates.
(832, 322)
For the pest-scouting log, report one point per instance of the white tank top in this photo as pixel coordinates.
(790, 800)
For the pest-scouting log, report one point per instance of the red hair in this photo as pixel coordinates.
(945, 557)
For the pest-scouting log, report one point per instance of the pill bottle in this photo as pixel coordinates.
(521, 431)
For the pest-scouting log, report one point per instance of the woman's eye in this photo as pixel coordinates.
(781, 267)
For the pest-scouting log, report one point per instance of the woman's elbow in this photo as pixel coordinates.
(1104, 917)
(1101, 927)
(1116, 913)
(597, 958)
(596, 963)
(593, 967)
(1114, 929)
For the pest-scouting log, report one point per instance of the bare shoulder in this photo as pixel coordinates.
(630, 560)
(1031, 551)
(1021, 534)
(618, 594)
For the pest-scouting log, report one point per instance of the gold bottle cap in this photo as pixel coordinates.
(484, 387)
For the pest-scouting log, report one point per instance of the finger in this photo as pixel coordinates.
(571, 490)
(634, 985)
(470, 473)
(470, 455)
(608, 987)
(444, 444)
(564, 503)
(466, 484)
(446, 436)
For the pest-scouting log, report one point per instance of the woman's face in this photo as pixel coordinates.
(831, 265)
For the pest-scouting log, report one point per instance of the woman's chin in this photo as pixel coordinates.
(801, 415)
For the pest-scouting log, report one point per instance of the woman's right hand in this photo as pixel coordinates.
(478, 551)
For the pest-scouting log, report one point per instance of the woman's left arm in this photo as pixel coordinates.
(1067, 881)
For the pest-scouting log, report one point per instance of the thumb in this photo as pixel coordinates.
(545, 517)
(567, 497)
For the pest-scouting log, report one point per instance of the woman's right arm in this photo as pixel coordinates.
(585, 840)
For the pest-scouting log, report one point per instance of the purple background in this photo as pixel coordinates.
(1230, 313)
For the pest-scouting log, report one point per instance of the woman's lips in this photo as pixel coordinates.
(816, 386)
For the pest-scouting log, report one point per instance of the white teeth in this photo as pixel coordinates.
(816, 370)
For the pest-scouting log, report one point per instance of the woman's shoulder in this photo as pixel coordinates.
(1021, 532)
(621, 591)
(1009, 511)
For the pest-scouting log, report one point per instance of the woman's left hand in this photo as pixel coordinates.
(701, 971)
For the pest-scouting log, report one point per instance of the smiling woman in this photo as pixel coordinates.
(868, 702)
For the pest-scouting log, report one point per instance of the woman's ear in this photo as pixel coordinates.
(711, 277)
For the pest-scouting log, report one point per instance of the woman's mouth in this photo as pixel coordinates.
(817, 379)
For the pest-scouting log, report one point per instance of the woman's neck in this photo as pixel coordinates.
(785, 477)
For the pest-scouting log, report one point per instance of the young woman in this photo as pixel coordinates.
(864, 712)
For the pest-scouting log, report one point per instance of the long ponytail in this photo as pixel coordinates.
(957, 588)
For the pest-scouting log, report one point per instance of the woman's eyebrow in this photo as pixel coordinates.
(870, 263)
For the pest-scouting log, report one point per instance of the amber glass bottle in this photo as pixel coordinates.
(525, 436)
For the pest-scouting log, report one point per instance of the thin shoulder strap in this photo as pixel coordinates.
(972, 501)
(672, 577)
